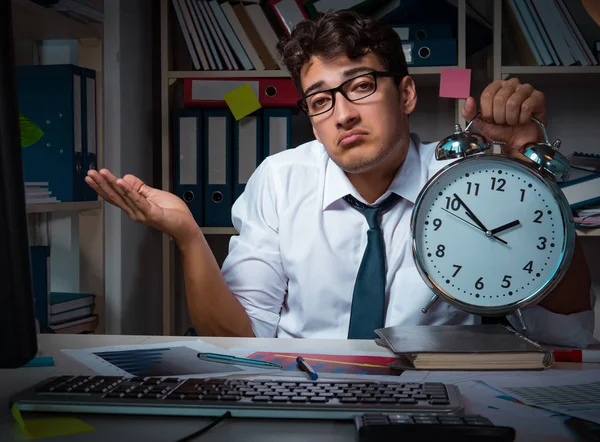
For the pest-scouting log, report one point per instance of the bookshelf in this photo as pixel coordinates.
(82, 222)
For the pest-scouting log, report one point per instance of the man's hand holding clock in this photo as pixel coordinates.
(507, 107)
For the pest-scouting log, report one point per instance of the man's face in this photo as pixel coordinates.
(360, 135)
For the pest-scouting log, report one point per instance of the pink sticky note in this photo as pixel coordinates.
(455, 82)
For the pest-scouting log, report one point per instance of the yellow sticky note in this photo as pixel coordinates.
(49, 426)
(242, 101)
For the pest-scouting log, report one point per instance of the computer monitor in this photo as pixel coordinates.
(17, 319)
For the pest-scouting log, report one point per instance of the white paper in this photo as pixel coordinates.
(159, 364)
(572, 392)
(530, 423)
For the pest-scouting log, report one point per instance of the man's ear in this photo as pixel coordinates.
(408, 95)
(316, 135)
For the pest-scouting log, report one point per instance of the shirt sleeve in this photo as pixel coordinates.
(543, 326)
(253, 268)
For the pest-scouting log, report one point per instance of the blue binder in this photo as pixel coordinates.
(40, 257)
(247, 150)
(430, 52)
(90, 129)
(276, 130)
(51, 96)
(189, 160)
(218, 162)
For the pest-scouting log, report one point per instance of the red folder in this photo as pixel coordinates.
(209, 92)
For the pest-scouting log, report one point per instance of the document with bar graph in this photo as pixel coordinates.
(167, 359)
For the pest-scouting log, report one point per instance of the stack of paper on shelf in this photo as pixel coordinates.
(582, 189)
(38, 193)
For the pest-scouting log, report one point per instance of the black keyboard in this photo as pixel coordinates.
(244, 398)
(408, 427)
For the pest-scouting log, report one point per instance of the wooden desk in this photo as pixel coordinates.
(150, 429)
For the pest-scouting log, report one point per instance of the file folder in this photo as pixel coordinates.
(90, 131)
(218, 167)
(430, 52)
(51, 96)
(189, 161)
(276, 131)
(209, 92)
(247, 150)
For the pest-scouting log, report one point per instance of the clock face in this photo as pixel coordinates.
(490, 235)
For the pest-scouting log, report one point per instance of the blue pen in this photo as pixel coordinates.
(307, 368)
(233, 360)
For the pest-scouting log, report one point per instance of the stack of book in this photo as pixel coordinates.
(583, 189)
(72, 313)
(546, 34)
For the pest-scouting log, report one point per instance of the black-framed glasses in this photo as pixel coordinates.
(353, 89)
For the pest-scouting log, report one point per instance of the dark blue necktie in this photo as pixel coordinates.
(368, 299)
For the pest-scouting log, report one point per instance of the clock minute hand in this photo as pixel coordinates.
(505, 227)
(470, 213)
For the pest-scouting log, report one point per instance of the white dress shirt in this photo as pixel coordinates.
(300, 244)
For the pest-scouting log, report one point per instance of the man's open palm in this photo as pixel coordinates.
(155, 208)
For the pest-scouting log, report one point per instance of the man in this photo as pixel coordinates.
(292, 270)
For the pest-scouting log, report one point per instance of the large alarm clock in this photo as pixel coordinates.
(493, 234)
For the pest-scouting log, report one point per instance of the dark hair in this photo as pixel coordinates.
(341, 33)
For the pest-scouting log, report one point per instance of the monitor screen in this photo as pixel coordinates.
(17, 321)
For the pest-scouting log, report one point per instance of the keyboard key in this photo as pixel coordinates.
(439, 402)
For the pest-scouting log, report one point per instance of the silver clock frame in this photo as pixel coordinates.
(534, 298)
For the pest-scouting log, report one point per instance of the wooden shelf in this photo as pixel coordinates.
(416, 71)
(571, 76)
(78, 206)
(549, 70)
(34, 22)
(588, 232)
(228, 74)
(219, 231)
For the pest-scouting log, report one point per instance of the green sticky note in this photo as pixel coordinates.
(49, 426)
(242, 101)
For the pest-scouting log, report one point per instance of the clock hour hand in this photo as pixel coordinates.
(505, 227)
(471, 224)
(471, 214)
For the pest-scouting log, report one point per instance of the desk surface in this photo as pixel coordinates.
(163, 430)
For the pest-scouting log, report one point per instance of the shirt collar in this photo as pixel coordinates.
(407, 183)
